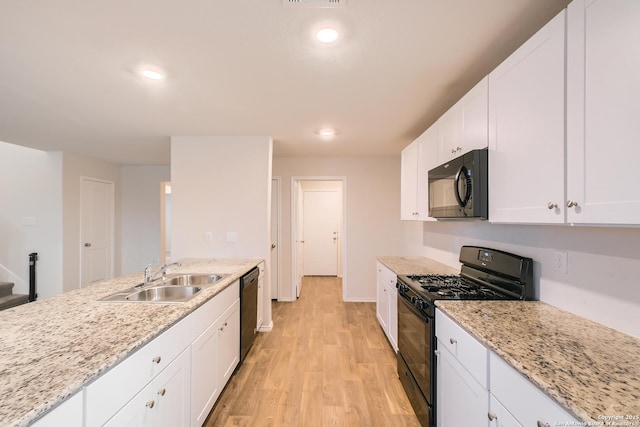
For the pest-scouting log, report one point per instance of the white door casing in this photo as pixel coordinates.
(320, 233)
(96, 230)
(275, 236)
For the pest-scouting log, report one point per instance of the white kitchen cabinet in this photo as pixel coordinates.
(387, 304)
(260, 296)
(464, 127)
(68, 414)
(164, 402)
(416, 160)
(527, 130)
(461, 376)
(499, 416)
(603, 130)
(215, 352)
(523, 400)
(109, 393)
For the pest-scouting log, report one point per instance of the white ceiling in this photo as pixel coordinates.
(69, 82)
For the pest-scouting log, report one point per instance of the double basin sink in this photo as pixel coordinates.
(173, 288)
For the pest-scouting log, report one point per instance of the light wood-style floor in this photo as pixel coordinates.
(325, 363)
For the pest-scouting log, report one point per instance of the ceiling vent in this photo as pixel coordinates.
(314, 3)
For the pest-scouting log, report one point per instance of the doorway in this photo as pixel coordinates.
(318, 212)
(165, 222)
(275, 237)
(96, 230)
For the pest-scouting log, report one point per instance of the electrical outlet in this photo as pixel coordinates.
(208, 236)
(560, 261)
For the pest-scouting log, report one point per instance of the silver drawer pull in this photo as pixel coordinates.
(453, 340)
(492, 416)
(543, 424)
(162, 391)
(150, 404)
(156, 359)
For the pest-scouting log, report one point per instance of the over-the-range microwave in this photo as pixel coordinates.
(458, 189)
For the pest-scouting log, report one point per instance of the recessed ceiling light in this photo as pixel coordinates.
(152, 74)
(327, 133)
(327, 35)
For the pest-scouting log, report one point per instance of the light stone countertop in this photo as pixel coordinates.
(406, 265)
(50, 349)
(588, 368)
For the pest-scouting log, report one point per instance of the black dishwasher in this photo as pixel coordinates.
(248, 310)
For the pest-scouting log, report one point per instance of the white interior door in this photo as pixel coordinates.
(96, 231)
(275, 235)
(320, 233)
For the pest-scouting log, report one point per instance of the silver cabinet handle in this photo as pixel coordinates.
(156, 359)
(492, 416)
(87, 245)
(552, 205)
(543, 424)
(453, 340)
(571, 204)
(150, 404)
(162, 391)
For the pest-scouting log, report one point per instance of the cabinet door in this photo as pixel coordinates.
(164, 402)
(499, 416)
(260, 296)
(205, 388)
(461, 400)
(428, 159)
(382, 304)
(229, 348)
(409, 182)
(527, 130)
(392, 295)
(603, 130)
(464, 127)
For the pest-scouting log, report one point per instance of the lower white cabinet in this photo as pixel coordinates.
(260, 296)
(387, 304)
(68, 414)
(175, 379)
(164, 402)
(214, 356)
(455, 386)
(526, 403)
(490, 391)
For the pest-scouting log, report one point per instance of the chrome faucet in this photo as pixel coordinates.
(148, 277)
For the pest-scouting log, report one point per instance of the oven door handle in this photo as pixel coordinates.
(414, 310)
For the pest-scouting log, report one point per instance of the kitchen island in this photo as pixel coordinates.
(52, 348)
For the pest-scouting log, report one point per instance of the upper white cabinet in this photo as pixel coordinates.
(417, 158)
(464, 127)
(527, 130)
(603, 111)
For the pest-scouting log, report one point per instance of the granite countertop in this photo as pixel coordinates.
(416, 265)
(51, 348)
(590, 369)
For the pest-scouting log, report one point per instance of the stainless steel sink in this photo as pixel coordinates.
(173, 288)
(164, 293)
(192, 279)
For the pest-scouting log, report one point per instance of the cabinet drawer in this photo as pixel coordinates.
(115, 388)
(204, 316)
(386, 275)
(526, 402)
(466, 349)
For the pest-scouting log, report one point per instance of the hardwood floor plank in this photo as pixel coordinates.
(325, 363)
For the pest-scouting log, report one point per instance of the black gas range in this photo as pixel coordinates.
(486, 274)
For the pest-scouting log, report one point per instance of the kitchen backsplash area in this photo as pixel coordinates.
(589, 271)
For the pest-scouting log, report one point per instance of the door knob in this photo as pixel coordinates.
(571, 203)
(552, 205)
(273, 246)
(87, 245)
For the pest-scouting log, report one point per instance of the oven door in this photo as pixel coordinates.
(415, 333)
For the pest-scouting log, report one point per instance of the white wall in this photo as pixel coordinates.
(74, 167)
(372, 225)
(140, 215)
(31, 218)
(603, 263)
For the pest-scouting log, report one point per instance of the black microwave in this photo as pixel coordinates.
(458, 189)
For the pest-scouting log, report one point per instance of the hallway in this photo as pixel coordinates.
(326, 362)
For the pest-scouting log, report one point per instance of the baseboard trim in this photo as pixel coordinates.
(266, 328)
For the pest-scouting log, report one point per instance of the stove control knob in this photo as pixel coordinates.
(419, 303)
